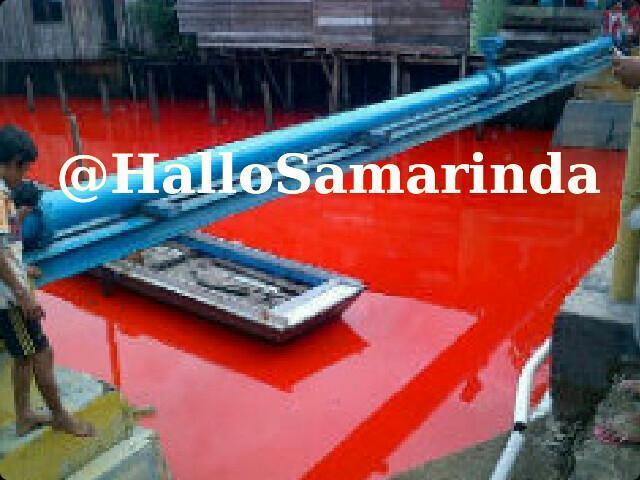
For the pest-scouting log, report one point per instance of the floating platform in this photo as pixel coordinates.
(256, 292)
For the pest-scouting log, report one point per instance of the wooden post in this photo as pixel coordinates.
(62, 93)
(334, 103)
(627, 251)
(224, 83)
(4, 77)
(365, 89)
(172, 95)
(395, 70)
(268, 104)
(406, 80)
(211, 102)
(237, 85)
(289, 86)
(346, 92)
(75, 135)
(31, 103)
(463, 65)
(153, 97)
(77, 143)
(104, 96)
(132, 85)
(271, 77)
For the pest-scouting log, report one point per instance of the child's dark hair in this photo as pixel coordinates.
(16, 142)
(27, 194)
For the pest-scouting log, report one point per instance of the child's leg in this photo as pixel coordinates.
(26, 418)
(21, 347)
(45, 380)
(22, 374)
(29, 346)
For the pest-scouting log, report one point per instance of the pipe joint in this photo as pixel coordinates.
(519, 427)
(497, 80)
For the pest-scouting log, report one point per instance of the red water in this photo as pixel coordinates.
(461, 289)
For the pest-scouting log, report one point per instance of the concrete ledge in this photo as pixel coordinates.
(48, 455)
(536, 462)
(44, 454)
(137, 458)
(77, 392)
(475, 463)
(594, 124)
(592, 338)
(595, 460)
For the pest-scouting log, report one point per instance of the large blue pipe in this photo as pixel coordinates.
(57, 212)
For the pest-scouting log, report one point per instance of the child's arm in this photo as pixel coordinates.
(627, 70)
(25, 298)
(9, 272)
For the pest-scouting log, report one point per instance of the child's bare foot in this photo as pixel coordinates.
(68, 424)
(31, 421)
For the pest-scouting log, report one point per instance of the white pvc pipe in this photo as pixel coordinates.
(525, 383)
(509, 455)
(521, 414)
(543, 408)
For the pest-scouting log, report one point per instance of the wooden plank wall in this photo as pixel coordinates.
(346, 24)
(80, 35)
(372, 25)
(422, 25)
(248, 23)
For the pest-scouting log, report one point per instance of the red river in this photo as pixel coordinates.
(461, 290)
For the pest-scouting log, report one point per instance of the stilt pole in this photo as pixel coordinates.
(31, 103)
(211, 102)
(268, 104)
(104, 96)
(289, 86)
(62, 93)
(395, 70)
(153, 96)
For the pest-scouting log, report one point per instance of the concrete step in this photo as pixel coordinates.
(597, 124)
(595, 460)
(474, 463)
(139, 457)
(119, 450)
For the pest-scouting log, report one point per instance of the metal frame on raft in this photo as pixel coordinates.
(68, 238)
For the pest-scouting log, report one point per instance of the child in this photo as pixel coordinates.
(20, 312)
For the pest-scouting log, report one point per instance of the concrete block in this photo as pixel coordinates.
(592, 338)
(474, 463)
(48, 455)
(139, 457)
(594, 124)
(478, 462)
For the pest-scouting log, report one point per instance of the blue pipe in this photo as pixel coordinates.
(57, 212)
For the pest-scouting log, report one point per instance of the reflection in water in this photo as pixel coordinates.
(462, 288)
(270, 364)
